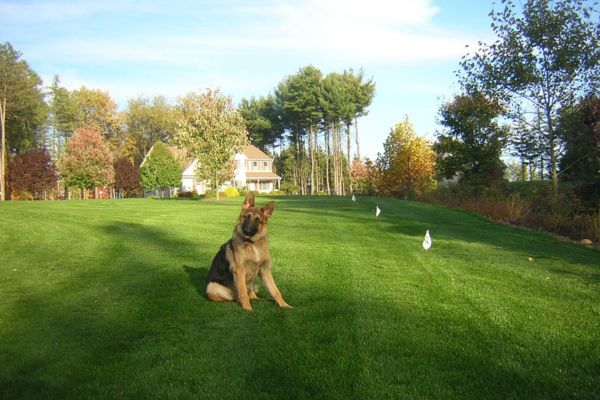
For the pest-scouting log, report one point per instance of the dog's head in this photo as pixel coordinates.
(253, 220)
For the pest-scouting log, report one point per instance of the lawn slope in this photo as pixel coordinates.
(102, 299)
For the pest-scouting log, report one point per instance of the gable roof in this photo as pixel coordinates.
(254, 153)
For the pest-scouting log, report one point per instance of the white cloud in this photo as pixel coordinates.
(356, 32)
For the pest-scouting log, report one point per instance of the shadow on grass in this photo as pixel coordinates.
(197, 276)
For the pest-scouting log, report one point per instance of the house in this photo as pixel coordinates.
(253, 170)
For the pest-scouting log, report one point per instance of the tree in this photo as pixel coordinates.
(407, 165)
(146, 122)
(263, 120)
(87, 161)
(473, 141)
(544, 58)
(161, 170)
(97, 108)
(360, 96)
(31, 175)
(300, 95)
(127, 177)
(64, 118)
(363, 175)
(579, 127)
(211, 129)
(23, 112)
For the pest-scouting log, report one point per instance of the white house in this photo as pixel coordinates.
(253, 170)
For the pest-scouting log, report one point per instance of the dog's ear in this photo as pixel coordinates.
(267, 210)
(248, 201)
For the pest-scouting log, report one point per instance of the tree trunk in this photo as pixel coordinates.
(311, 147)
(356, 137)
(3, 151)
(349, 168)
(553, 158)
(327, 162)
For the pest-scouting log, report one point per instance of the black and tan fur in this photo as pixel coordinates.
(234, 269)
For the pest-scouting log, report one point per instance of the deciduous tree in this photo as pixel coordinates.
(146, 122)
(127, 177)
(161, 170)
(407, 165)
(473, 140)
(211, 129)
(87, 160)
(31, 175)
(545, 56)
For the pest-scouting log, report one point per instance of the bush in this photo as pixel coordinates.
(188, 195)
(210, 194)
(231, 192)
(289, 188)
(277, 193)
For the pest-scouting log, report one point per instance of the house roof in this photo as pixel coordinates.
(262, 175)
(254, 153)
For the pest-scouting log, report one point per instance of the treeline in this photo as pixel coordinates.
(313, 120)
(310, 122)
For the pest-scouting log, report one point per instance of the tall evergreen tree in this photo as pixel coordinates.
(23, 112)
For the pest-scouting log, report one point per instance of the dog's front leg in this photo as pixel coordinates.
(239, 277)
(267, 277)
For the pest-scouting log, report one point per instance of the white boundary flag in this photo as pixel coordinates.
(377, 211)
(427, 241)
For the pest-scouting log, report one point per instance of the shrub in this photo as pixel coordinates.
(185, 195)
(289, 188)
(231, 192)
(210, 194)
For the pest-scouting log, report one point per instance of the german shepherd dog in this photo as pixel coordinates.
(244, 257)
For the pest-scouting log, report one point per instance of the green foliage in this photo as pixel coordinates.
(64, 116)
(579, 127)
(161, 170)
(473, 141)
(263, 120)
(26, 111)
(289, 188)
(545, 56)
(210, 129)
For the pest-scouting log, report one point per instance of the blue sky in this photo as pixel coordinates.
(411, 48)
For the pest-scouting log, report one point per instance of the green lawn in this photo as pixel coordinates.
(102, 299)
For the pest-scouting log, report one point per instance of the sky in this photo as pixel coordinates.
(410, 48)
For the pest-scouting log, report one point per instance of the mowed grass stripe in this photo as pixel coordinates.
(102, 299)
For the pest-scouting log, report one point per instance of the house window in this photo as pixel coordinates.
(265, 166)
(254, 166)
(264, 186)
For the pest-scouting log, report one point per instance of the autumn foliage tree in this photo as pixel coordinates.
(31, 175)
(87, 161)
(127, 177)
(407, 166)
(363, 176)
